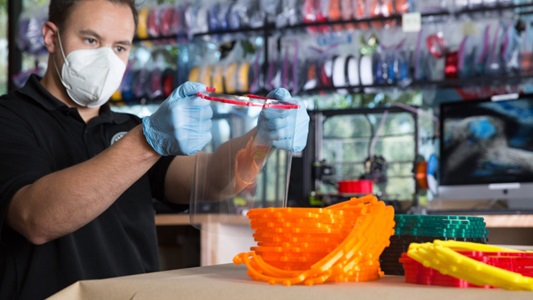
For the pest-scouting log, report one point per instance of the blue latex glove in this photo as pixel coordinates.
(182, 123)
(284, 128)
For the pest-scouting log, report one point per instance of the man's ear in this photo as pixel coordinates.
(49, 31)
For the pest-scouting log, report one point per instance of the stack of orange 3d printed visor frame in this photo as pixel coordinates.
(466, 264)
(339, 243)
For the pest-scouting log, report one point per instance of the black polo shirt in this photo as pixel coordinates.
(38, 136)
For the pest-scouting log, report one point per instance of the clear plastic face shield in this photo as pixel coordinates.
(240, 169)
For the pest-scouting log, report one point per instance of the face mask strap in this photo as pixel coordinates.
(64, 61)
(61, 47)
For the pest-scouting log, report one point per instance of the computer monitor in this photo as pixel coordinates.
(486, 150)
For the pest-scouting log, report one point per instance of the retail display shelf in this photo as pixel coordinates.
(272, 28)
(183, 219)
(492, 221)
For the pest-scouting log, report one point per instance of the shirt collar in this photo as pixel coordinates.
(34, 90)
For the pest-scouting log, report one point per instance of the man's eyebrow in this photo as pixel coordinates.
(90, 32)
(124, 42)
(96, 35)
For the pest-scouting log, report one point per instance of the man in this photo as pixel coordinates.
(77, 180)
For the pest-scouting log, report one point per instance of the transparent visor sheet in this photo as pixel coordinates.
(239, 170)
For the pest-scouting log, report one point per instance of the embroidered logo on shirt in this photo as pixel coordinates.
(118, 136)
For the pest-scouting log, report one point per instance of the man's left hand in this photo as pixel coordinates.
(284, 128)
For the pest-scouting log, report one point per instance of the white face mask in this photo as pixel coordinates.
(91, 76)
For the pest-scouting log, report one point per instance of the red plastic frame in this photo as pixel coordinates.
(245, 100)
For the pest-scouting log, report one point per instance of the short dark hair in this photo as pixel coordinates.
(58, 10)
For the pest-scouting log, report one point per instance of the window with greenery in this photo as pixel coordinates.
(349, 140)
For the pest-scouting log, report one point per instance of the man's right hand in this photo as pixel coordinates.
(182, 124)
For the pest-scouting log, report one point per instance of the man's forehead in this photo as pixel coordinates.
(101, 9)
(102, 18)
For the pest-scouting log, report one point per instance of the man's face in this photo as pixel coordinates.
(99, 23)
